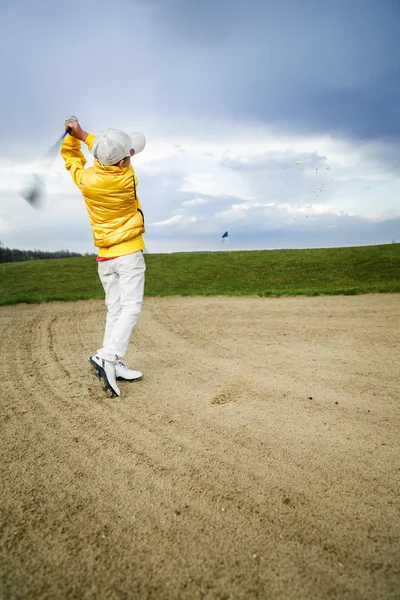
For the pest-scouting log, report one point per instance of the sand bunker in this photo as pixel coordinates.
(258, 457)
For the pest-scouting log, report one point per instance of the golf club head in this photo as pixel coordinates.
(34, 192)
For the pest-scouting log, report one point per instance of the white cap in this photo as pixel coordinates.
(112, 145)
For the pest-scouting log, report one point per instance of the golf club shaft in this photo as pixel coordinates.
(35, 191)
(54, 148)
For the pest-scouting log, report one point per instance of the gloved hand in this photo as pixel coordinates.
(76, 130)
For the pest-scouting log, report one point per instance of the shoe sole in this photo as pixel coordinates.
(123, 379)
(101, 374)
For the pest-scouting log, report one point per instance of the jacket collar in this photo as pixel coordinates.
(99, 168)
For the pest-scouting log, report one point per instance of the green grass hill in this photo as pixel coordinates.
(354, 270)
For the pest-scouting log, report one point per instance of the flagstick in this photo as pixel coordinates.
(225, 238)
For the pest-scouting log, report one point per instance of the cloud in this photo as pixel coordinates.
(302, 65)
(196, 201)
(229, 98)
(249, 183)
(178, 220)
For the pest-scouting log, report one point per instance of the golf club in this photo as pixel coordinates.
(34, 191)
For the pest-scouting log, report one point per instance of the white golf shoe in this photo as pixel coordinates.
(122, 371)
(105, 370)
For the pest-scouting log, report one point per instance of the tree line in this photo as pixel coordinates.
(15, 255)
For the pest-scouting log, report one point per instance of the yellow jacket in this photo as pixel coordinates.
(113, 207)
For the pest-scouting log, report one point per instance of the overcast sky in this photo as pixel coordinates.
(230, 95)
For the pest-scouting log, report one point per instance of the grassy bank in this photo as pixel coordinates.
(355, 270)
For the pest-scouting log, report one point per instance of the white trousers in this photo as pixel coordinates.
(123, 282)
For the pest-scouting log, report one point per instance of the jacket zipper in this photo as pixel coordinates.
(134, 187)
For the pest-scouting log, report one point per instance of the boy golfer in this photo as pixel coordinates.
(109, 189)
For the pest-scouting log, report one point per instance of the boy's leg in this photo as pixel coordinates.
(103, 362)
(130, 270)
(109, 280)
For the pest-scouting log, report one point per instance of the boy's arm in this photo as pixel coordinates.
(71, 150)
(73, 157)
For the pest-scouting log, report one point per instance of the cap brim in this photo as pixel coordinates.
(138, 141)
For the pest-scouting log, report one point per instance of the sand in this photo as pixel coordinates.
(257, 458)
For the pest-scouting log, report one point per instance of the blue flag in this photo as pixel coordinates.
(225, 235)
